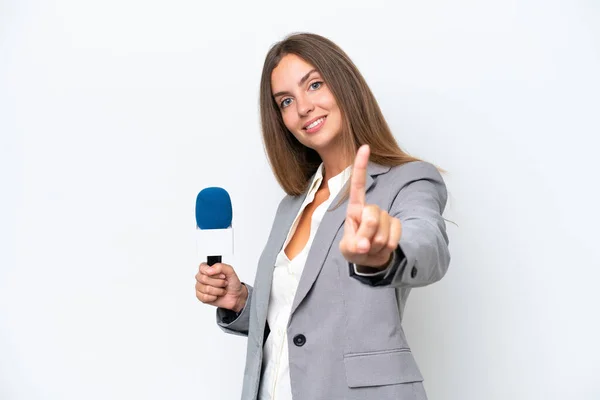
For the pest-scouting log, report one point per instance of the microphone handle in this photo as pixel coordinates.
(211, 260)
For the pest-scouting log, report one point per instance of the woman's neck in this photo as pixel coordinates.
(331, 170)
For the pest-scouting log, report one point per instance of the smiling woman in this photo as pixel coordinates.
(307, 107)
(314, 77)
(324, 316)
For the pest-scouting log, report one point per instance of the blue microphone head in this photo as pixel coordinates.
(213, 209)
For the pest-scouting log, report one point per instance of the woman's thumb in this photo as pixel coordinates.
(228, 271)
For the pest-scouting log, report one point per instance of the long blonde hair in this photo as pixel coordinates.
(363, 123)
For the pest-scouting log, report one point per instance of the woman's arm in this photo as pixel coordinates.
(422, 256)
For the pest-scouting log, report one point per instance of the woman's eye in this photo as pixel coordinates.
(315, 85)
(285, 102)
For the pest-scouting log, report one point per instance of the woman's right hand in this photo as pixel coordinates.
(220, 286)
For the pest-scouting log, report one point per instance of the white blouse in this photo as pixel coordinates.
(275, 381)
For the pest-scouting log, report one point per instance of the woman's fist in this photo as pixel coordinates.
(220, 286)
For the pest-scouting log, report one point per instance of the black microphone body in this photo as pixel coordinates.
(212, 260)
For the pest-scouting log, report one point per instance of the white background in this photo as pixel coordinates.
(115, 113)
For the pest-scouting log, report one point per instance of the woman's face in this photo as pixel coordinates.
(307, 106)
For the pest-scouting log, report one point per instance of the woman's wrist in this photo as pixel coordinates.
(370, 269)
(241, 303)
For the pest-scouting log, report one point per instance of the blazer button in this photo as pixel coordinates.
(299, 340)
(413, 272)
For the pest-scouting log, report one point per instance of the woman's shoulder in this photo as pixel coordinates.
(287, 200)
(414, 170)
(415, 177)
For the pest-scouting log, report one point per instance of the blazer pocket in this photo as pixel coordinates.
(381, 368)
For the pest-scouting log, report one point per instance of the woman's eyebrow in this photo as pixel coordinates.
(304, 78)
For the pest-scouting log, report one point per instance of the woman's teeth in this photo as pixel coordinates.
(317, 122)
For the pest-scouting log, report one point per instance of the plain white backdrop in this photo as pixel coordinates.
(114, 114)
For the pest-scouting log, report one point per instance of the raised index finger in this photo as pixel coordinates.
(359, 177)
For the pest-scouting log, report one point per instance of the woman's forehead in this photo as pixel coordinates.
(290, 70)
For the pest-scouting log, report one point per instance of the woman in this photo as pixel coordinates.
(361, 225)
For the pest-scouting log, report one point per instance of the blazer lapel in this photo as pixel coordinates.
(266, 263)
(330, 224)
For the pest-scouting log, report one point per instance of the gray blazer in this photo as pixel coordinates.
(345, 335)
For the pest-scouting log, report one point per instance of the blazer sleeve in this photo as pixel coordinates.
(422, 256)
(236, 323)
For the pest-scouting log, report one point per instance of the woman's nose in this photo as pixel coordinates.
(305, 106)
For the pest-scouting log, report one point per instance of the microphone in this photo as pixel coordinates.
(214, 232)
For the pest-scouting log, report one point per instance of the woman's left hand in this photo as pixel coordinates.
(370, 233)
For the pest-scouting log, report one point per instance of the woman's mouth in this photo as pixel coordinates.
(316, 125)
